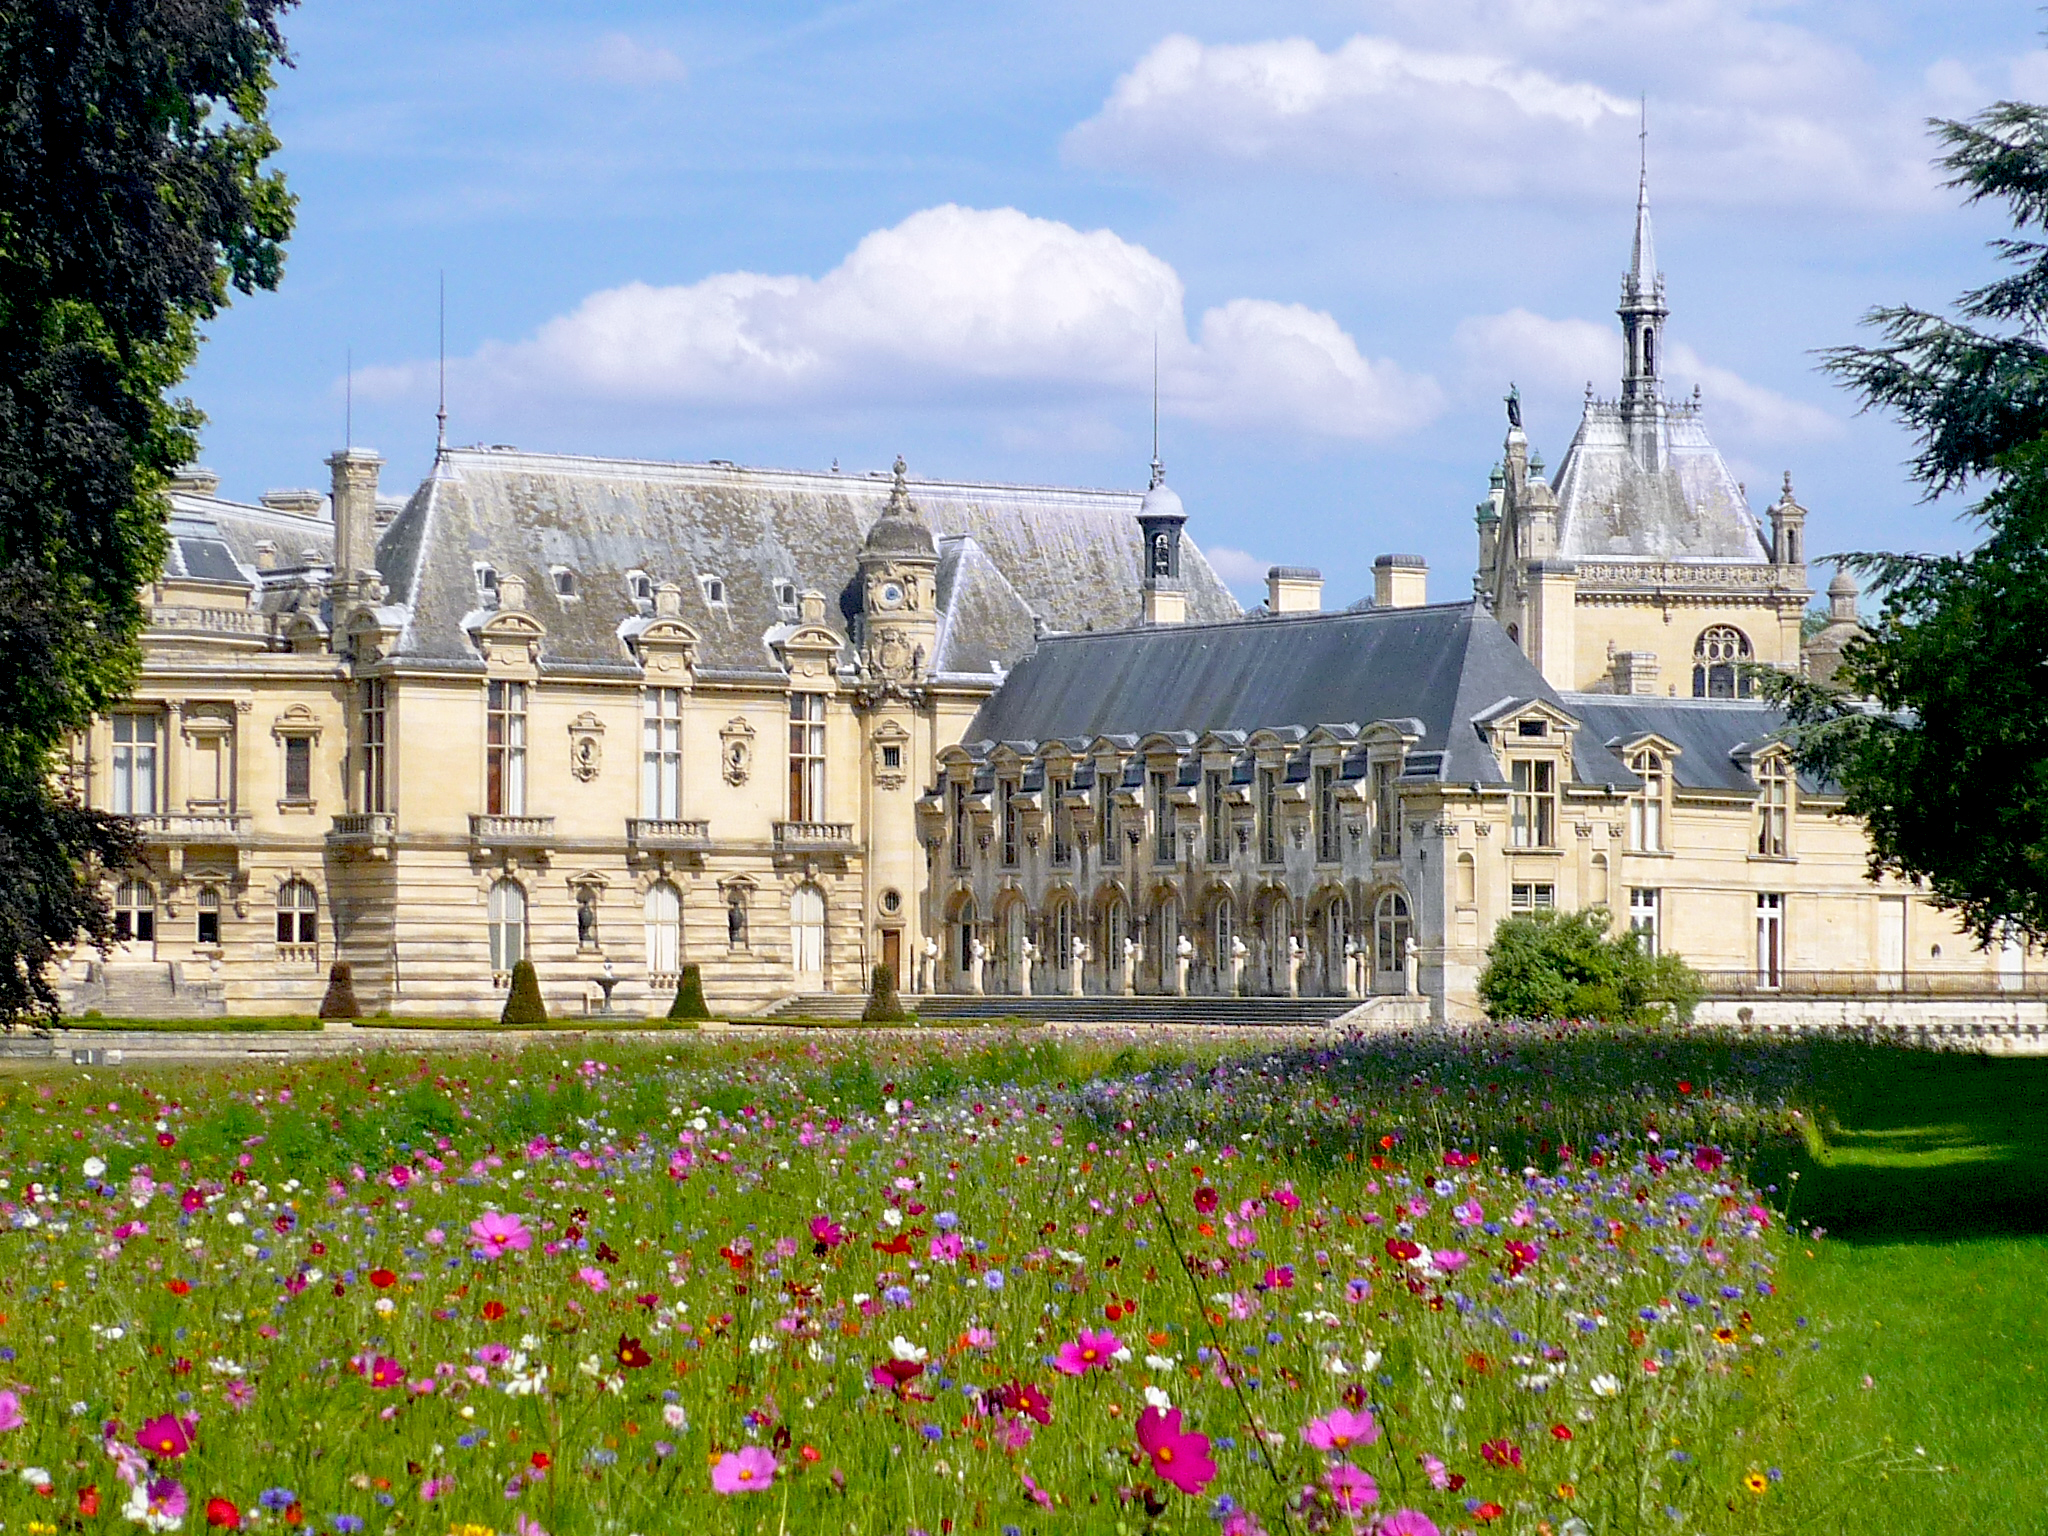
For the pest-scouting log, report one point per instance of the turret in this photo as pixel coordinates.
(1161, 518)
(899, 568)
(1643, 313)
(1788, 530)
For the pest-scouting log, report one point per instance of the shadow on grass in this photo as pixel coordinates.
(1918, 1146)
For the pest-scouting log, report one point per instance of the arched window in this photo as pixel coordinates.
(1719, 664)
(1336, 933)
(1223, 928)
(298, 913)
(135, 912)
(1391, 929)
(1646, 806)
(664, 912)
(208, 927)
(964, 942)
(507, 909)
(1773, 806)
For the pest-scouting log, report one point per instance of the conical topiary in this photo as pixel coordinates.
(340, 1001)
(689, 1000)
(523, 1004)
(884, 1006)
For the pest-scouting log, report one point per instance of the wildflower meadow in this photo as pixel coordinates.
(1506, 1282)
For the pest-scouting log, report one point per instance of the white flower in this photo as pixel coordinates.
(1369, 1361)
(386, 1306)
(35, 1477)
(524, 1383)
(1457, 1402)
(236, 1219)
(1156, 1396)
(1604, 1386)
(902, 1349)
(94, 1167)
(1335, 1365)
(1122, 1356)
(761, 1344)
(891, 1107)
(674, 1416)
(1161, 1362)
(892, 1217)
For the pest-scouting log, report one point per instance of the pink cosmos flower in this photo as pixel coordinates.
(1406, 1522)
(1278, 1277)
(1470, 1213)
(1448, 1260)
(522, 1525)
(1092, 1350)
(1349, 1488)
(386, 1372)
(1340, 1430)
(1179, 1456)
(594, 1277)
(399, 1176)
(496, 1232)
(1707, 1159)
(239, 1393)
(826, 1234)
(748, 1470)
(1434, 1469)
(164, 1504)
(1038, 1495)
(11, 1416)
(948, 1247)
(168, 1435)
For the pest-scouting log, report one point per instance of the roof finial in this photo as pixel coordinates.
(1788, 485)
(441, 413)
(899, 489)
(1158, 469)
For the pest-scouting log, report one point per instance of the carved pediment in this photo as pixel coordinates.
(667, 648)
(510, 638)
(809, 650)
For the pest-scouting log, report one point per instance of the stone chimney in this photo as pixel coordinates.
(1294, 589)
(1400, 581)
(1635, 672)
(355, 517)
(299, 503)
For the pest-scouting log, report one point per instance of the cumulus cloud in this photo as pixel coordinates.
(1237, 567)
(623, 60)
(956, 306)
(1558, 358)
(1761, 113)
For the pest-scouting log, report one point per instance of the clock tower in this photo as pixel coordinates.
(899, 567)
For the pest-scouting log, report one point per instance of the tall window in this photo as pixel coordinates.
(298, 768)
(1532, 802)
(505, 751)
(507, 913)
(1326, 814)
(1162, 820)
(807, 757)
(1386, 803)
(1646, 806)
(1770, 939)
(1643, 917)
(298, 913)
(209, 773)
(1773, 805)
(1216, 816)
(1006, 799)
(664, 913)
(1720, 664)
(1055, 806)
(1391, 928)
(373, 738)
(661, 754)
(1111, 835)
(209, 917)
(1269, 815)
(962, 833)
(135, 912)
(135, 764)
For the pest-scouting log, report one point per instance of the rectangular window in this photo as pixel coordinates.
(1533, 803)
(1326, 815)
(1386, 802)
(373, 738)
(505, 751)
(1216, 816)
(1643, 917)
(207, 779)
(962, 833)
(135, 764)
(1269, 815)
(298, 769)
(1770, 939)
(807, 757)
(1055, 808)
(661, 754)
(1773, 805)
(1112, 834)
(1006, 800)
(1646, 806)
(209, 917)
(1531, 896)
(1162, 821)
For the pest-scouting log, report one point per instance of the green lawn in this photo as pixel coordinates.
(1921, 1409)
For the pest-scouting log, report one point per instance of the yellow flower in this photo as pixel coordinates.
(1756, 1482)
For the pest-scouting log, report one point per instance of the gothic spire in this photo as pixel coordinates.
(1642, 263)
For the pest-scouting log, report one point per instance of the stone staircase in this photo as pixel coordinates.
(137, 989)
(1090, 1010)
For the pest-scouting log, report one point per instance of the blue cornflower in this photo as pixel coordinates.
(277, 1498)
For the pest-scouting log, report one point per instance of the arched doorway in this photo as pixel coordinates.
(1222, 937)
(1336, 933)
(135, 916)
(1392, 928)
(663, 912)
(1165, 947)
(1109, 946)
(807, 937)
(1058, 929)
(506, 913)
(1012, 929)
(962, 947)
(1276, 927)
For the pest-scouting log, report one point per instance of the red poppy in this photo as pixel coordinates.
(89, 1500)
(540, 1461)
(630, 1354)
(900, 1244)
(222, 1515)
(1488, 1512)
(383, 1279)
(1560, 1432)
(293, 1514)
(178, 1287)
(493, 1311)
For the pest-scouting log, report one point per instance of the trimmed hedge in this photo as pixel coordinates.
(524, 1004)
(884, 1006)
(689, 999)
(340, 1001)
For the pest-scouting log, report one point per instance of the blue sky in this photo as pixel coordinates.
(789, 234)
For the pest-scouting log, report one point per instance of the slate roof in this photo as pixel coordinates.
(1715, 738)
(1441, 666)
(1610, 507)
(1069, 558)
(214, 539)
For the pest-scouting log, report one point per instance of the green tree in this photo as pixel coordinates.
(1936, 730)
(1568, 965)
(523, 1002)
(883, 1004)
(689, 1003)
(132, 198)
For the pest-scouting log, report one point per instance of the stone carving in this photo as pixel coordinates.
(736, 750)
(586, 746)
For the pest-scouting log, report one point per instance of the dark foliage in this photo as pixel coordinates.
(1568, 965)
(340, 1001)
(689, 999)
(45, 843)
(524, 1004)
(883, 1005)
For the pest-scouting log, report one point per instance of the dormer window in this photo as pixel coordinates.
(1646, 806)
(1773, 806)
(487, 580)
(785, 593)
(565, 581)
(1532, 803)
(714, 590)
(640, 586)
(1532, 728)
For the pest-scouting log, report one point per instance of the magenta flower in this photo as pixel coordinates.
(826, 1234)
(1708, 1159)
(1406, 1522)
(1341, 1430)
(948, 1246)
(1179, 1456)
(163, 1504)
(496, 1233)
(743, 1471)
(1349, 1488)
(1093, 1350)
(594, 1277)
(1448, 1260)
(386, 1372)
(11, 1416)
(167, 1435)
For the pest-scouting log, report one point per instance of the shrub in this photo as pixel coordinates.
(1568, 965)
(340, 1001)
(523, 1004)
(884, 1006)
(689, 999)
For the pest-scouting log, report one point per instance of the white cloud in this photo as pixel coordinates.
(1558, 358)
(954, 306)
(624, 60)
(1535, 99)
(1237, 567)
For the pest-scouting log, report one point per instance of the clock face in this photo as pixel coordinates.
(889, 594)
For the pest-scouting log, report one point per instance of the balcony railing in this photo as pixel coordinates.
(512, 831)
(650, 832)
(209, 621)
(815, 836)
(195, 827)
(1851, 985)
(362, 826)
